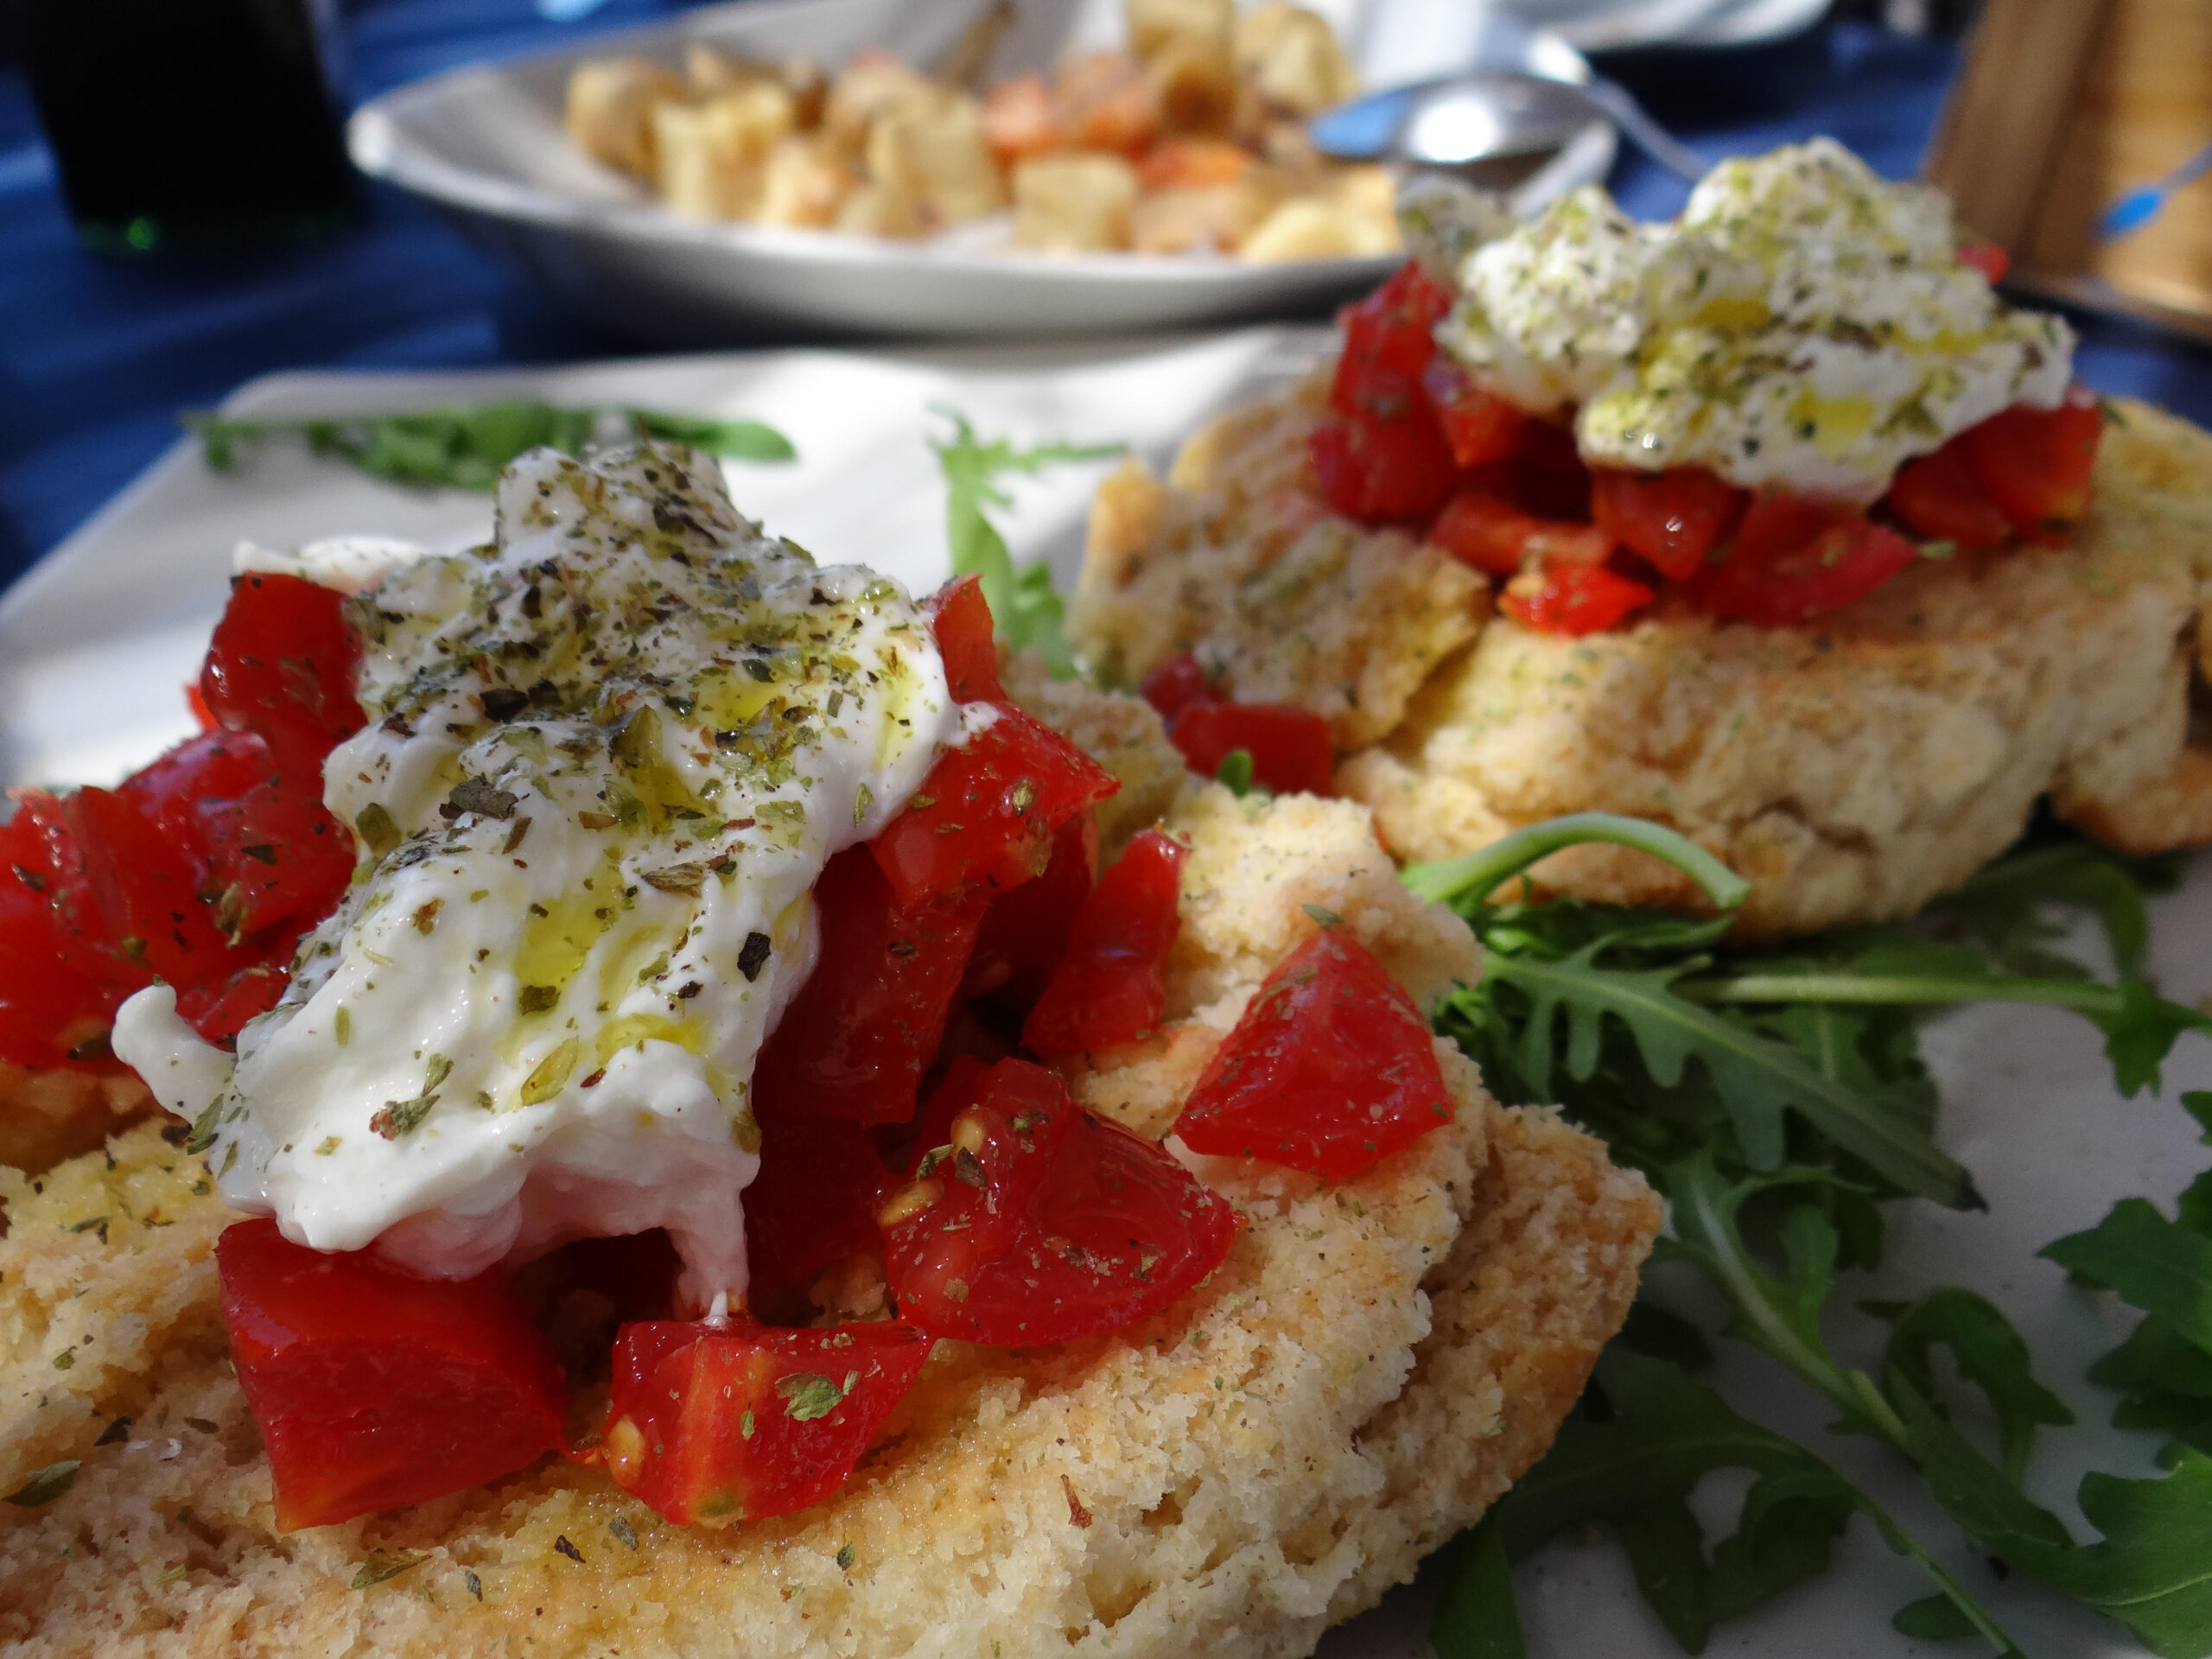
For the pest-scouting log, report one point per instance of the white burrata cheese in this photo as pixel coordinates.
(1803, 324)
(607, 756)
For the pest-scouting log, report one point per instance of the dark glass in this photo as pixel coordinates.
(187, 122)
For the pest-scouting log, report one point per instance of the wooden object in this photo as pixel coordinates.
(2064, 107)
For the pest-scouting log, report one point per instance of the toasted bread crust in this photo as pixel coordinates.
(1377, 1360)
(1851, 767)
(47, 1113)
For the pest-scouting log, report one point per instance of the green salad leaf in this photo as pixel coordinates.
(1776, 1099)
(1029, 613)
(465, 446)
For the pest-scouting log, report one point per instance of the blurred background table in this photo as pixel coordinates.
(98, 355)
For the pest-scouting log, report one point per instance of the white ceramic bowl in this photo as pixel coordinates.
(484, 145)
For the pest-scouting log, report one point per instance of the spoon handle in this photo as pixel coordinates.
(1642, 131)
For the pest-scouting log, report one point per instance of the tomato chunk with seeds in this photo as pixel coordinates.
(219, 1009)
(1388, 341)
(1672, 518)
(854, 1040)
(1024, 933)
(1490, 535)
(1111, 984)
(1479, 426)
(373, 1388)
(1374, 469)
(985, 817)
(1573, 599)
(1939, 495)
(714, 1423)
(1038, 1223)
(46, 1008)
(281, 665)
(1291, 749)
(2037, 464)
(1987, 257)
(1175, 685)
(1796, 557)
(1331, 1070)
(812, 1205)
(961, 617)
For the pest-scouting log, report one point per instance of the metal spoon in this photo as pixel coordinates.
(1470, 117)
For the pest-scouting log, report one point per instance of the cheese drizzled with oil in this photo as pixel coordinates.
(607, 756)
(1802, 324)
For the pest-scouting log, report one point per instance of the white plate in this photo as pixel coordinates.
(1614, 25)
(484, 145)
(97, 641)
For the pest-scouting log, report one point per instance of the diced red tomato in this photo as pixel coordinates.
(173, 790)
(813, 1203)
(854, 1040)
(1387, 343)
(128, 903)
(1375, 470)
(218, 1008)
(1572, 599)
(1291, 749)
(281, 665)
(985, 817)
(47, 1007)
(1939, 495)
(1991, 260)
(1491, 535)
(1479, 427)
(1174, 684)
(275, 855)
(1548, 476)
(962, 619)
(2037, 463)
(1111, 986)
(374, 1388)
(1041, 1224)
(1672, 518)
(1331, 1070)
(712, 1423)
(1024, 932)
(1794, 558)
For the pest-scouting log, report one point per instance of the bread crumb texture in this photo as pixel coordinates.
(1236, 559)
(1376, 1361)
(1851, 768)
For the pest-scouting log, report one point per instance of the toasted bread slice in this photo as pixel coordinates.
(1377, 1359)
(1851, 767)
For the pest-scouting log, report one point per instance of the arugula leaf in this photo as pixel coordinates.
(1807, 1109)
(466, 445)
(1475, 1617)
(2150, 1263)
(1029, 613)
(1756, 1076)
(1990, 1354)
(1635, 1468)
(2001, 903)
(2152, 1571)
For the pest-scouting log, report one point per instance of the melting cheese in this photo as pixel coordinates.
(607, 756)
(1803, 323)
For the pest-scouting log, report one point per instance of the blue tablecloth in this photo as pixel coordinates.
(97, 356)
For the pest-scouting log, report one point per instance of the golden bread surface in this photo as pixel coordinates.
(1851, 767)
(1377, 1360)
(49, 1113)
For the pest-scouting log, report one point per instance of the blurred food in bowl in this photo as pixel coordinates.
(1188, 139)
